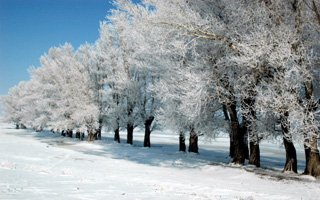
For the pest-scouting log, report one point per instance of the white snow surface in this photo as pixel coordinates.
(47, 166)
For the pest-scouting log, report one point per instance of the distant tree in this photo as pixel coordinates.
(13, 106)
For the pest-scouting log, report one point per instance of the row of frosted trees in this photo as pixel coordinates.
(250, 67)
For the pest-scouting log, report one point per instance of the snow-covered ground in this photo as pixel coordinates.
(47, 166)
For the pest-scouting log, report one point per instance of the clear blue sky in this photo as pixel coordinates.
(28, 28)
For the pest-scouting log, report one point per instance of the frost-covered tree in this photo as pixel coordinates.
(13, 104)
(246, 37)
(58, 94)
(178, 62)
(95, 68)
(74, 102)
(143, 42)
(170, 52)
(122, 80)
(183, 26)
(107, 52)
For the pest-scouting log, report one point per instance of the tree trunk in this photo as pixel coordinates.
(78, 134)
(63, 133)
(82, 136)
(244, 131)
(237, 136)
(99, 134)
(91, 135)
(20, 126)
(291, 155)
(249, 129)
(225, 112)
(193, 142)
(70, 133)
(226, 117)
(182, 143)
(311, 142)
(231, 147)
(147, 131)
(312, 159)
(239, 150)
(254, 154)
(98, 137)
(117, 135)
(129, 133)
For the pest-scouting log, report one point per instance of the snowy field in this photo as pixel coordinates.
(47, 166)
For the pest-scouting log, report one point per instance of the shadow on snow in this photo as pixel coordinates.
(163, 152)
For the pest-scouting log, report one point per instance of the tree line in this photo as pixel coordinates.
(249, 67)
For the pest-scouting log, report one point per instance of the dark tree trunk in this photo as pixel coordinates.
(225, 112)
(78, 134)
(231, 147)
(254, 154)
(193, 142)
(239, 147)
(69, 133)
(20, 126)
(117, 135)
(237, 136)
(291, 155)
(129, 126)
(147, 131)
(129, 133)
(63, 133)
(98, 132)
(182, 143)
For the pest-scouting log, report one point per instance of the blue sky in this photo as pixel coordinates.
(28, 28)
